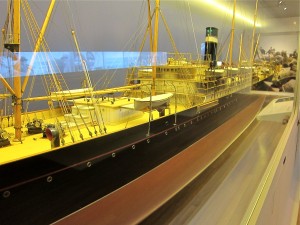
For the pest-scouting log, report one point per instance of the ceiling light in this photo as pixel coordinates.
(225, 9)
(284, 8)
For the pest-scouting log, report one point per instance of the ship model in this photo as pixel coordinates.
(88, 145)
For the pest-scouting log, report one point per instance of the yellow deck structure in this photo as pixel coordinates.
(35, 144)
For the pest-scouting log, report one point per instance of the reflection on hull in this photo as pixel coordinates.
(101, 165)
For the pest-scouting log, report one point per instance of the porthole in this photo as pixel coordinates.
(6, 194)
(49, 179)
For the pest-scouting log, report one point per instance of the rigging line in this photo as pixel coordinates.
(221, 36)
(105, 76)
(97, 111)
(92, 119)
(28, 18)
(2, 49)
(169, 33)
(188, 33)
(32, 24)
(106, 82)
(54, 26)
(34, 28)
(3, 35)
(61, 103)
(57, 27)
(55, 81)
(136, 35)
(141, 16)
(182, 18)
(99, 115)
(58, 86)
(242, 55)
(247, 55)
(148, 25)
(69, 18)
(222, 46)
(28, 23)
(88, 80)
(75, 26)
(31, 88)
(68, 10)
(133, 40)
(37, 8)
(31, 21)
(8, 21)
(197, 49)
(54, 113)
(133, 69)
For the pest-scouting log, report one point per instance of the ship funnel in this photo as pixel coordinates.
(53, 136)
(211, 43)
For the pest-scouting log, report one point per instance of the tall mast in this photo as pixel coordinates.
(253, 34)
(154, 46)
(240, 52)
(232, 33)
(150, 25)
(12, 43)
(17, 102)
(38, 43)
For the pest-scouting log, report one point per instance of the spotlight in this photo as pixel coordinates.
(284, 8)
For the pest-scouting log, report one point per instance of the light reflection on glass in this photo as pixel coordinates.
(68, 62)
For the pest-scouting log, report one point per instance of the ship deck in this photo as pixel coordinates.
(35, 144)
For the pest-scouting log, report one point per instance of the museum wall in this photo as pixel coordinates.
(112, 25)
(281, 34)
(279, 41)
(282, 25)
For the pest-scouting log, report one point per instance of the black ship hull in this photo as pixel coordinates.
(47, 187)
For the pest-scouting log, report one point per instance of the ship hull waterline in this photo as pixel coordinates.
(147, 193)
(47, 187)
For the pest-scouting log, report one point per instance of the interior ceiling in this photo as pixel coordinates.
(275, 8)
